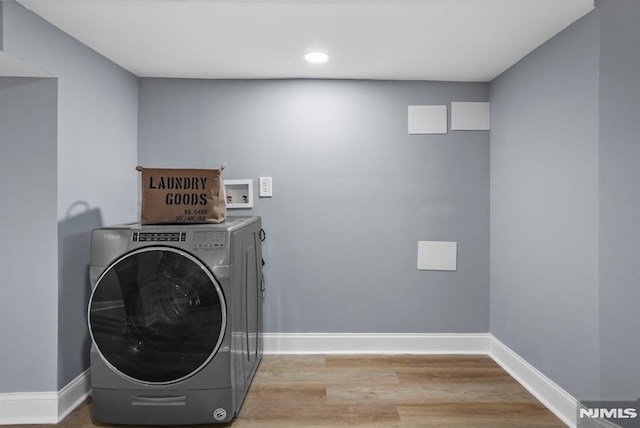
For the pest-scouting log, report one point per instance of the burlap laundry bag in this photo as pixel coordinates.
(173, 195)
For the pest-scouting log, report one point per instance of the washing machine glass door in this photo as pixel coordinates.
(157, 315)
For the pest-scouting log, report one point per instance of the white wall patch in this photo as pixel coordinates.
(437, 255)
(470, 117)
(428, 119)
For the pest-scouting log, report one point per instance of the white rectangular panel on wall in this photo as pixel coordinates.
(437, 255)
(427, 119)
(470, 117)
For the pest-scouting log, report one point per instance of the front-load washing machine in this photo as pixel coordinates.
(175, 318)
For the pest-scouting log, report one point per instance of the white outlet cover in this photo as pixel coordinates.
(266, 187)
(437, 255)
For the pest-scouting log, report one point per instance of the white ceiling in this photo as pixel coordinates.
(454, 40)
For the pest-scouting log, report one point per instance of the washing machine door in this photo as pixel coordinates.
(157, 315)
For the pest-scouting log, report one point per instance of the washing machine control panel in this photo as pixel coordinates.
(159, 236)
(201, 240)
(206, 240)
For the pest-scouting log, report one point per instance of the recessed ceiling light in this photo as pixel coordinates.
(316, 57)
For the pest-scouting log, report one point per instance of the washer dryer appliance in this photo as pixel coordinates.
(175, 318)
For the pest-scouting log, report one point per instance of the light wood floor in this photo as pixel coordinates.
(379, 391)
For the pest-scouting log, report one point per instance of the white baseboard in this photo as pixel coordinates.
(374, 343)
(29, 408)
(556, 399)
(72, 395)
(44, 407)
(52, 407)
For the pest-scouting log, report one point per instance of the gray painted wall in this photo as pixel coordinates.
(544, 208)
(564, 156)
(96, 181)
(1, 26)
(619, 198)
(28, 171)
(353, 193)
(97, 144)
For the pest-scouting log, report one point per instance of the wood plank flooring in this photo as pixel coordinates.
(379, 391)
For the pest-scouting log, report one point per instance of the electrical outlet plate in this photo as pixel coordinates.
(266, 187)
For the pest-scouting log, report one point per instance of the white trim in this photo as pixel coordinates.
(73, 394)
(29, 408)
(44, 407)
(376, 343)
(556, 399)
(52, 407)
